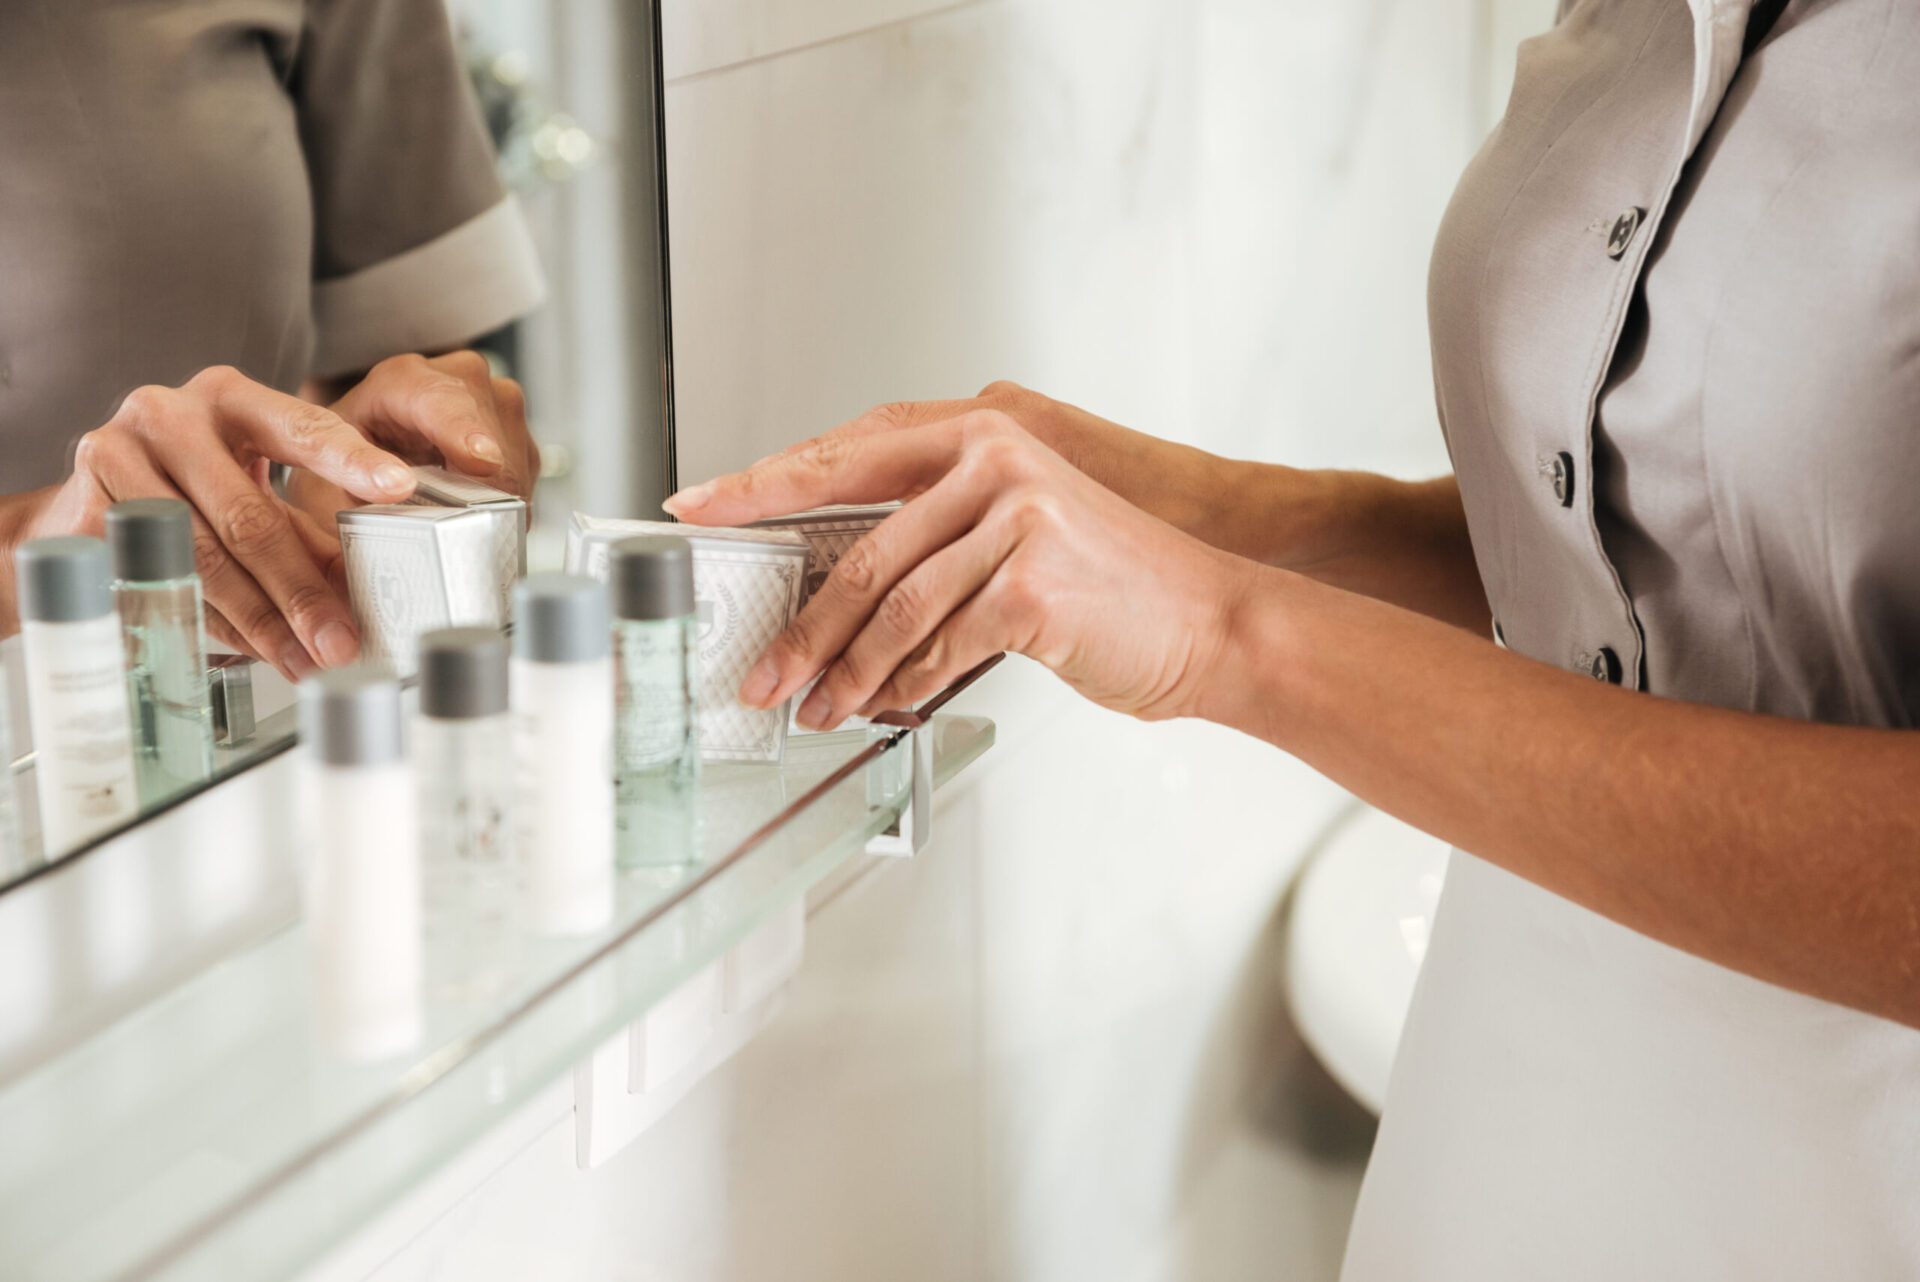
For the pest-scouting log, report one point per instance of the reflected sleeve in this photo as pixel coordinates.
(418, 247)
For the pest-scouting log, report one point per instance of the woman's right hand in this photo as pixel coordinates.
(272, 576)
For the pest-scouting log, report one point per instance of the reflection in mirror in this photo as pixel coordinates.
(371, 304)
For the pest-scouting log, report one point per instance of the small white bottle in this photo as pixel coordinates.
(13, 858)
(656, 749)
(362, 885)
(562, 683)
(76, 691)
(158, 592)
(464, 775)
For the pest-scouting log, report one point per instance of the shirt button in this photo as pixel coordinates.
(1623, 228)
(1562, 473)
(1606, 666)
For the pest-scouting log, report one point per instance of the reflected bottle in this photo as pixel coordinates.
(76, 691)
(562, 693)
(464, 780)
(656, 750)
(158, 593)
(13, 858)
(362, 885)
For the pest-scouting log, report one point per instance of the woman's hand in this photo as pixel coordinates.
(1004, 546)
(447, 409)
(271, 570)
(1180, 485)
(1400, 541)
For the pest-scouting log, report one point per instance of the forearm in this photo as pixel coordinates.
(1786, 850)
(1403, 542)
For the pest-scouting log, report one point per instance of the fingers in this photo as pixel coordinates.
(262, 422)
(860, 583)
(453, 405)
(868, 468)
(226, 634)
(916, 608)
(257, 533)
(967, 638)
(890, 417)
(238, 612)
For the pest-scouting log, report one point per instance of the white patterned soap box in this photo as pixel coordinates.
(411, 569)
(448, 557)
(829, 532)
(747, 586)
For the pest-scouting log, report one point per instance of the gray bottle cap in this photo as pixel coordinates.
(66, 579)
(560, 618)
(463, 673)
(351, 716)
(152, 540)
(652, 577)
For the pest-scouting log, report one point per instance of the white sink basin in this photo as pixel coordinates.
(1357, 932)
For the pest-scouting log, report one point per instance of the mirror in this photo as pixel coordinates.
(492, 183)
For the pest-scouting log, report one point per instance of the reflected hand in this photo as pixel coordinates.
(1003, 545)
(270, 572)
(448, 409)
(440, 409)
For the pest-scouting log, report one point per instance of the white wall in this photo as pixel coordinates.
(1047, 1049)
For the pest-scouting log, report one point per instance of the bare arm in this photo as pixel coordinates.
(1400, 541)
(1786, 850)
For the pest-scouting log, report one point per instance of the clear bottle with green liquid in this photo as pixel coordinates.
(656, 713)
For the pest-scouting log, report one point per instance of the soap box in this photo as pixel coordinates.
(448, 557)
(747, 586)
(829, 532)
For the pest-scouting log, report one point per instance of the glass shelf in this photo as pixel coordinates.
(208, 1135)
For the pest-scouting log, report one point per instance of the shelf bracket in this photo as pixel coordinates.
(913, 735)
(907, 835)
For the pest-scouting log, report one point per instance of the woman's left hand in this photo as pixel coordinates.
(1003, 545)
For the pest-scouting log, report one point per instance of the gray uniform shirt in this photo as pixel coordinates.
(292, 188)
(1676, 326)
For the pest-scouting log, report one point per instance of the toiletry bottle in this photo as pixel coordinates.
(160, 615)
(464, 774)
(76, 691)
(562, 690)
(362, 886)
(13, 857)
(656, 754)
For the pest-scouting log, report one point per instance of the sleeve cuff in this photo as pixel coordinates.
(474, 279)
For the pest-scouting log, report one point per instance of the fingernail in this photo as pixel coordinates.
(485, 448)
(690, 499)
(297, 665)
(760, 683)
(336, 643)
(817, 710)
(393, 478)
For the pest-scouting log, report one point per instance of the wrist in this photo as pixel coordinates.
(19, 516)
(1265, 615)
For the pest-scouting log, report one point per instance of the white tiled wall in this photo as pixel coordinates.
(1047, 1048)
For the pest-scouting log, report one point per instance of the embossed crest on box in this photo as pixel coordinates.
(829, 532)
(448, 557)
(747, 586)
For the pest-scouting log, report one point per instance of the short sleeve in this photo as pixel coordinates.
(417, 244)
